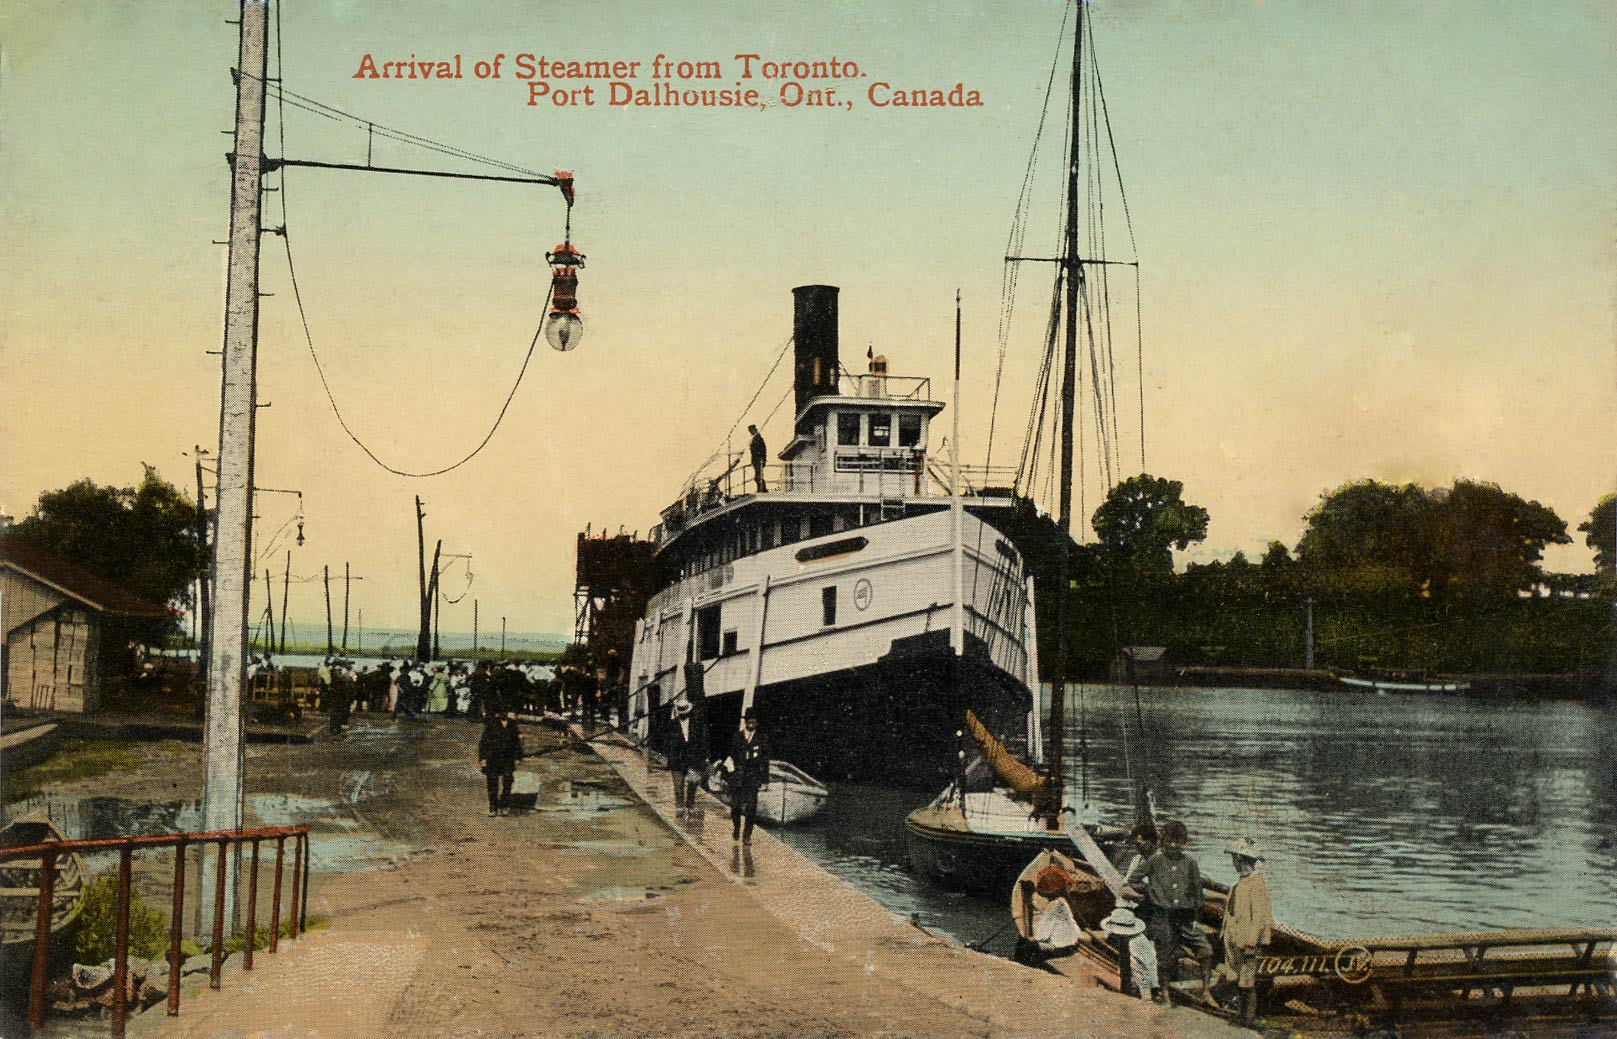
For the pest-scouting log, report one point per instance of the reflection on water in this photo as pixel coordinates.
(1380, 815)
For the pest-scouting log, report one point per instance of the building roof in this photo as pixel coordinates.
(74, 581)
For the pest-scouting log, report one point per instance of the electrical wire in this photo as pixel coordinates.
(297, 293)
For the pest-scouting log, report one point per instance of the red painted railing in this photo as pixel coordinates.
(48, 853)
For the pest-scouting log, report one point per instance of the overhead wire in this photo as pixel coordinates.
(281, 93)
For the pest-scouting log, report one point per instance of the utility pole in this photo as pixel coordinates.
(1308, 635)
(428, 640)
(286, 588)
(502, 638)
(269, 611)
(330, 649)
(360, 632)
(437, 617)
(346, 583)
(474, 628)
(223, 751)
(421, 646)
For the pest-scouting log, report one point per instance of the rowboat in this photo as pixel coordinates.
(790, 796)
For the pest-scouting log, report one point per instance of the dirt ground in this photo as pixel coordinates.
(584, 915)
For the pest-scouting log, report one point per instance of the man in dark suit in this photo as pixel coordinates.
(686, 750)
(760, 458)
(749, 770)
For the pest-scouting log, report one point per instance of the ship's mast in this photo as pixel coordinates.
(1073, 272)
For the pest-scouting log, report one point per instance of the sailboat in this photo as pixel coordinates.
(998, 812)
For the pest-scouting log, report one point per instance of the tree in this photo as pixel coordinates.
(1144, 519)
(143, 537)
(1488, 543)
(1600, 533)
(1473, 541)
(1276, 558)
(1368, 538)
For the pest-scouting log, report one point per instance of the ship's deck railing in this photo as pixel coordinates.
(884, 387)
(889, 474)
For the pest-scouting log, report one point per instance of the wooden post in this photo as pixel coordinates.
(286, 589)
(421, 646)
(275, 896)
(330, 649)
(347, 581)
(252, 910)
(120, 945)
(219, 915)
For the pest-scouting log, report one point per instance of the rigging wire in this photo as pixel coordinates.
(297, 293)
(725, 440)
(1011, 271)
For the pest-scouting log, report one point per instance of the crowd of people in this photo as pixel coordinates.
(409, 688)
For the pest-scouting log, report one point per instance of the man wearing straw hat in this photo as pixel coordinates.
(1248, 922)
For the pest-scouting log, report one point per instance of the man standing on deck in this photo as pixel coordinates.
(748, 766)
(760, 457)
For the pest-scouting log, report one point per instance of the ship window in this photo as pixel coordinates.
(881, 430)
(909, 430)
(831, 548)
(847, 427)
(729, 647)
(707, 632)
(820, 525)
(790, 530)
(828, 606)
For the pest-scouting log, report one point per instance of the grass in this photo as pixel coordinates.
(74, 759)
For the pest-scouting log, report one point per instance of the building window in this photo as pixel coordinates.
(707, 633)
(729, 647)
(909, 430)
(828, 606)
(881, 430)
(847, 428)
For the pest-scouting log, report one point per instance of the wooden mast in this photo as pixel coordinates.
(1072, 270)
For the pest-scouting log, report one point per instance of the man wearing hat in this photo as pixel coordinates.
(1248, 922)
(748, 765)
(686, 751)
(1137, 954)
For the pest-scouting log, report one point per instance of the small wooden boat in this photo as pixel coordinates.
(20, 880)
(1053, 901)
(1402, 682)
(790, 796)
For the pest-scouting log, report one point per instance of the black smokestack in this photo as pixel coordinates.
(814, 330)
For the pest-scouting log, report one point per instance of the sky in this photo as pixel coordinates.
(1376, 241)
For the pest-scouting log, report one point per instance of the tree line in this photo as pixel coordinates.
(1444, 579)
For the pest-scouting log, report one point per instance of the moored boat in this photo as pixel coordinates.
(790, 796)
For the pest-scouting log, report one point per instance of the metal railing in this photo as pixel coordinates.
(49, 852)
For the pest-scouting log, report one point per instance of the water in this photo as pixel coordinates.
(1379, 815)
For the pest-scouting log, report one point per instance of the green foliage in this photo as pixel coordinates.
(73, 759)
(261, 935)
(1473, 542)
(90, 937)
(1143, 519)
(1600, 533)
(144, 537)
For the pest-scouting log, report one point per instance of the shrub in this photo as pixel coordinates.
(91, 934)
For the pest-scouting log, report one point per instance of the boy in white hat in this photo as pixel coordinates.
(1248, 922)
(1129, 930)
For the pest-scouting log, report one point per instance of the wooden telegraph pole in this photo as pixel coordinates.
(238, 412)
(347, 581)
(330, 649)
(286, 589)
(421, 646)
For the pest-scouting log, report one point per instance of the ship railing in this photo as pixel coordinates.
(975, 480)
(46, 860)
(884, 387)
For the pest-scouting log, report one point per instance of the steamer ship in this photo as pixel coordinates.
(827, 598)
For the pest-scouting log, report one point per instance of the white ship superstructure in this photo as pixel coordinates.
(828, 598)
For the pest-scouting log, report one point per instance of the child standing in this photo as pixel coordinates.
(1248, 922)
(1173, 889)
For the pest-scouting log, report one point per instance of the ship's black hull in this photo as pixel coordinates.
(895, 722)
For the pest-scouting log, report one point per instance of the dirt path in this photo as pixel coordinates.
(585, 917)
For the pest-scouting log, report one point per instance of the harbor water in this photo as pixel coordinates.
(1379, 815)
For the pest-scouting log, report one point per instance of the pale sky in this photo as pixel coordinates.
(1376, 241)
